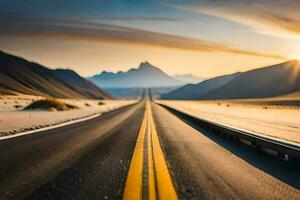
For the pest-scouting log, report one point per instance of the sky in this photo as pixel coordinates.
(205, 38)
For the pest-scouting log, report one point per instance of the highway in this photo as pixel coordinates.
(142, 151)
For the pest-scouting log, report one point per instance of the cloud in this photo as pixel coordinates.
(45, 27)
(141, 18)
(276, 17)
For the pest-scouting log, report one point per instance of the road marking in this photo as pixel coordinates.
(164, 182)
(50, 127)
(160, 184)
(133, 185)
(151, 171)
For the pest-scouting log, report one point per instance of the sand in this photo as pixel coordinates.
(14, 120)
(281, 122)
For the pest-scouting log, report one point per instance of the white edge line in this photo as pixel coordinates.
(50, 127)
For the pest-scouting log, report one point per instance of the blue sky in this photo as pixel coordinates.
(205, 38)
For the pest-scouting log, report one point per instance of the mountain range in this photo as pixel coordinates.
(275, 80)
(145, 76)
(195, 91)
(18, 75)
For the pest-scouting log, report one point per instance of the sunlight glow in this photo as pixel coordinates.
(294, 68)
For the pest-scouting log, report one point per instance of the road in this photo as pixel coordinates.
(141, 151)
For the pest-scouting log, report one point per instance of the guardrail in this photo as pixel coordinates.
(287, 153)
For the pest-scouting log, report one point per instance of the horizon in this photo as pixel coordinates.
(138, 65)
(203, 38)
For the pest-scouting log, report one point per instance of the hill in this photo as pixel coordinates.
(80, 84)
(270, 81)
(145, 76)
(18, 75)
(195, 91)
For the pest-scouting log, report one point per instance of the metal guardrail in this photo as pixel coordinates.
(285, 152)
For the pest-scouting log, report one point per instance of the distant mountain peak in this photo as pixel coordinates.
(148, 67)
(146, 75)
(146, 64)
(106, 73)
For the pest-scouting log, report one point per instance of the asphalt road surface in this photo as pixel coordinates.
(140, 149)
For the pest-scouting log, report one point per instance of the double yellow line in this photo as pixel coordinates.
(160, 185)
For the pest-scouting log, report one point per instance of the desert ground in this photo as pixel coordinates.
(14, 119)
(272, 117)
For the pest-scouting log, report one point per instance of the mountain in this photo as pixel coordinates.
(18, 75)
(195, 91)
(188, 78)
(271, 81)
(80, 84)
(145, 76)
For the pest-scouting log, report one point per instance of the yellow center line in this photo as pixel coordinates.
(151, 171)
(160, 185)
(133, 185)
(163, 179)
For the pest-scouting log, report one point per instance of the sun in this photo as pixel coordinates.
(295, 57)
(294, 68)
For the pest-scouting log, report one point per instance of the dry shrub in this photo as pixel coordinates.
(49, 104)
(18, 106)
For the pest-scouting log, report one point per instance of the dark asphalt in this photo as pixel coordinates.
(90, 160)
(86, 160)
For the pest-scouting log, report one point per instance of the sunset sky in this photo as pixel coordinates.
(205, 37)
